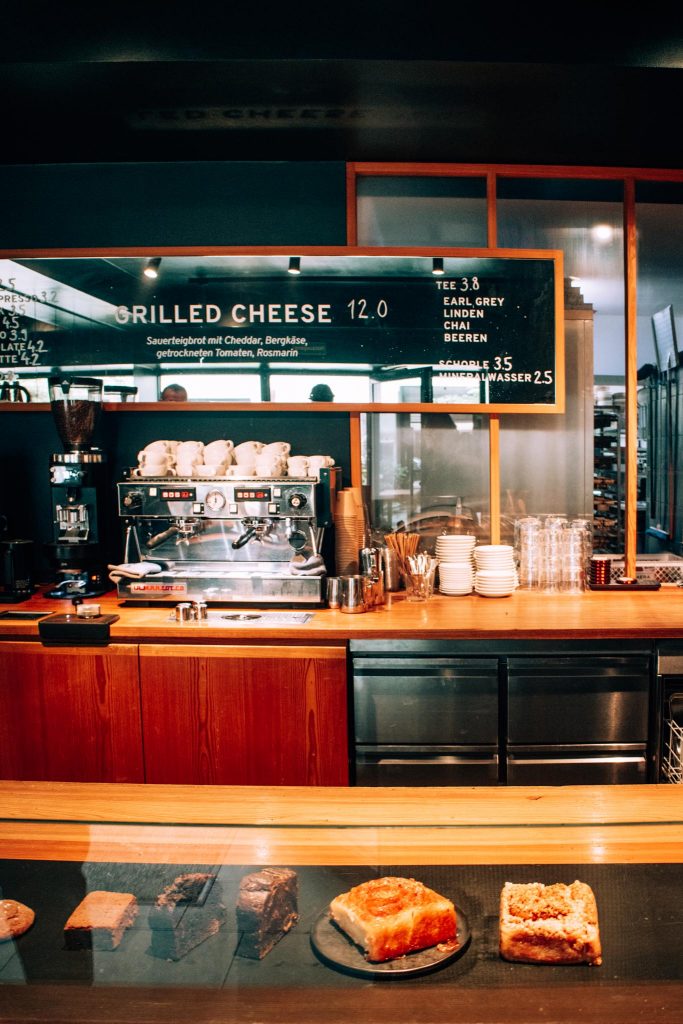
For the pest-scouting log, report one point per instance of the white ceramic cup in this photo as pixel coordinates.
(318, 462)
(240, 470)
(277, 448)
(187, 467)
(153, 471)
(216, 469)
(265, 465)
(160, 447)
(188, 449)
(154, 459)
(247, 449)
(217, 451)
(220, 465)
(297, 465)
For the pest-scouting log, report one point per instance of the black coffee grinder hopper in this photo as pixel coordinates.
(78, 490)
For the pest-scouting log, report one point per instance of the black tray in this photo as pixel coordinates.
(336, 949)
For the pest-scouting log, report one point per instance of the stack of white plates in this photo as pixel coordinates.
(495, 572)
(456, 569)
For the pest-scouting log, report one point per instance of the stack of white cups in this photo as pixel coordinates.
(456, 568)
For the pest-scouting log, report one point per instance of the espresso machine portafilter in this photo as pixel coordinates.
(78, 490)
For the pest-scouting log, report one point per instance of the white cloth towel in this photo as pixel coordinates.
(134, 570)
(307, 564)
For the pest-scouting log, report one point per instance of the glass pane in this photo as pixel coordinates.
(585, 220)
(659, 217)
(215, 387)
(299, 388)
(421, 211)
(428, 471)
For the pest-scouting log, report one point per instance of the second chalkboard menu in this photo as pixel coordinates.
(481, 329)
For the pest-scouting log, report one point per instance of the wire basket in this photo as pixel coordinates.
(672, 762)
(659, 570)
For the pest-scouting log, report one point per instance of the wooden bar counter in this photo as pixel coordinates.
(524, 615)
(474, 837)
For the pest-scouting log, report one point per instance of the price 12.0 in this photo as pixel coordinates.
(360, 309)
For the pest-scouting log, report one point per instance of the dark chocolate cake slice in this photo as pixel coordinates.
(267, 907)
(186, 913)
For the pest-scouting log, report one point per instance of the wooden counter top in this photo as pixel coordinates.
(311, 825)
(524, 615)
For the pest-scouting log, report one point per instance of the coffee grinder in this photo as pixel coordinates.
(78, 490)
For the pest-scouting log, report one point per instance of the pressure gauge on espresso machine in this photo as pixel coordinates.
(215, 501)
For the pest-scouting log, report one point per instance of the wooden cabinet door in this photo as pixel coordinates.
(231, 715)
(70, 714)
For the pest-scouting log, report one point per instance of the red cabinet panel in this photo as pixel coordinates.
(233, 715)
(70, 714)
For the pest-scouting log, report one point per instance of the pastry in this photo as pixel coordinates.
(550, 924)
(186, 913)
(15, 919)
(267, 907)
(389, 917)
(100, 920)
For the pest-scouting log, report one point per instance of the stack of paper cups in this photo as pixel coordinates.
(349, 529)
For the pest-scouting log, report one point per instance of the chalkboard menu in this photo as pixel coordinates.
(484, 332)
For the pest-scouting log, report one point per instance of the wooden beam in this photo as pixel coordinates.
(631, 375)
(494, 477)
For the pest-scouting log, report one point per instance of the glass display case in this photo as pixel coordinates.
(194, 956)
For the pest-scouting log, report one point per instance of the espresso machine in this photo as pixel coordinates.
(233, 540)
(244, 540)
(78, 481)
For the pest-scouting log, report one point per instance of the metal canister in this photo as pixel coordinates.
(333, 591)
(200, 610)
(353, 594)
(390, 568)
(369, 560)
(183, 612)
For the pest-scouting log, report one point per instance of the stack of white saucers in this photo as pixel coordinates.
(495, 573)
(456, 569)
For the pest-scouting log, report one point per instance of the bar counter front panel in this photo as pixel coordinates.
(59, 841)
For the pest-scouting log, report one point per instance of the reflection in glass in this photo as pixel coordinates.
(298, 387)
(585, 220)
(244, 386)
(428, 471)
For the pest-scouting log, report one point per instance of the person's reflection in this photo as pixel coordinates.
(321, 393)
(173, 393)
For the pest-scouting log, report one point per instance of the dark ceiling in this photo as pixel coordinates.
(457, 83)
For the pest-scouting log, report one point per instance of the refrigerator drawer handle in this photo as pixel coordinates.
(575, 760)
(449, 759)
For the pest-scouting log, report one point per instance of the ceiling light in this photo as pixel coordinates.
(294, 265)
(437, 266)
(603, 233)
(152, 268)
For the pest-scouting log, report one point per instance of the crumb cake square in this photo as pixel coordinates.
(551, 924)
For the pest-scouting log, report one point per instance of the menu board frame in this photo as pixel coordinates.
(553, 259)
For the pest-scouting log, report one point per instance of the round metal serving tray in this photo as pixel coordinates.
(337, 950)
